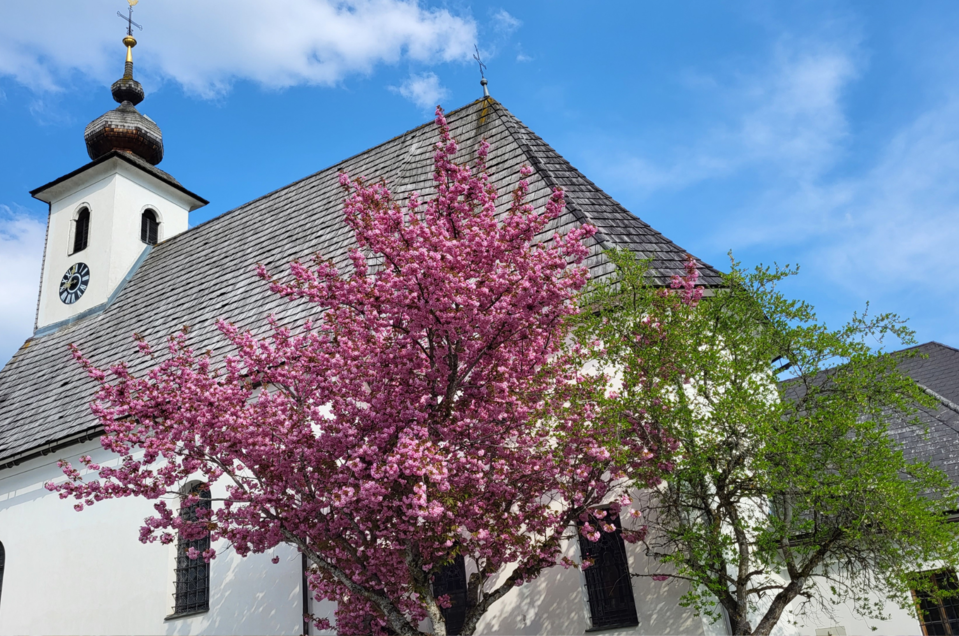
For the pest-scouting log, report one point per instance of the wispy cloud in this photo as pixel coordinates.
(505, 23)
(424, 90)
(896, 223)
(521, 56)
(207, 46)
(868, 216)
(21, 251)
(789, 114)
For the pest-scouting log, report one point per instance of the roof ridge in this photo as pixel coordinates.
(604, 236)
(925, 344)
(161, 247)
(510, 123)
(318, 172)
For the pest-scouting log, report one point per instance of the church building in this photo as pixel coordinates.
(121, 258)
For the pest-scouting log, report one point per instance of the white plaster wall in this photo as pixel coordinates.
(556, 603)
(87, 573)
(799, 620)
(116, 195)
(900, 621)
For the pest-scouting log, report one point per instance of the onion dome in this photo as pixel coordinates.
(125, 128)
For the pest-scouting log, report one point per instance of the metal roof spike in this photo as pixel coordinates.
(482, 67)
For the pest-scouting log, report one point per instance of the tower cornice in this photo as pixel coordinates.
(58, 187)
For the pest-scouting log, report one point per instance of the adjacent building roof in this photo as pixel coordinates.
(935, 369)
(207, 273)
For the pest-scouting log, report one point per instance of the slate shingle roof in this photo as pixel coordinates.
(936, 369)
(207, 273)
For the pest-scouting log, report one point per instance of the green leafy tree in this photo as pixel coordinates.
(787, 489)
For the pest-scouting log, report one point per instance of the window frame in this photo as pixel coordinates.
(75, 232)
(603, 618)
(951, 626)
(3, 563)
(453, 572)
(188, 570)
(145, 226)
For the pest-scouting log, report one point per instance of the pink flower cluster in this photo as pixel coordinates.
(429, 409)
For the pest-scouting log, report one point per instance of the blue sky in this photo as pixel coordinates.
(818, 133)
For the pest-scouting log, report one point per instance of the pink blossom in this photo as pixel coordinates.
(428, 407)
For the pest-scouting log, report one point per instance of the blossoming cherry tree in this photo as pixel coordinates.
(430, 409)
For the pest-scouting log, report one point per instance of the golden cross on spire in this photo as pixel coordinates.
(129, 18)
(129, 41)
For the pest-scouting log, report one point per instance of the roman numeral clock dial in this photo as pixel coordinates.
(74, 283)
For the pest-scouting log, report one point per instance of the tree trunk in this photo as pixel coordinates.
(739, 622)
(779, 604)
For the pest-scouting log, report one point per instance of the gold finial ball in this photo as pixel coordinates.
(129, 41)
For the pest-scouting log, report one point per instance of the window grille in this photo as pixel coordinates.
(193, 575)
(81, 231)
(608, 584)
(451, 580)
(3, 558)
(940, 616)
(149, 227)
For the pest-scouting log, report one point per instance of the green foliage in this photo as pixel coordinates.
(786, 484)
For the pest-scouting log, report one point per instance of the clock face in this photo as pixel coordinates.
(74, 283)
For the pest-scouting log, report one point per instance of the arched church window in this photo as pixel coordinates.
(81, 231)
(3, 558)
(450, 580)
(193, 575)
(149, 227)
(608, 582)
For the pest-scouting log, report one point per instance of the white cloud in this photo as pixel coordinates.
(788, 115)
(521, 56)
(883, 225)
(896, 224)
(424, 90)
(206, 46)
(21, 252)
(505, 23)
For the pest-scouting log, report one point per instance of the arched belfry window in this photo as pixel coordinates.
(149, 227)
(3, 558)
(192, 593)
(81, 231)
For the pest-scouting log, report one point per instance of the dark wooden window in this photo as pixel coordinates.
(608, 583)
(3, 558)
(940, 616)
(451, 579)
(149, 227)
(193, 575)
(81, 231)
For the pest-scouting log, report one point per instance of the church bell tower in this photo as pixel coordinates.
(106, 216)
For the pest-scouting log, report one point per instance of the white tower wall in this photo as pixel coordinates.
(116, 193)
